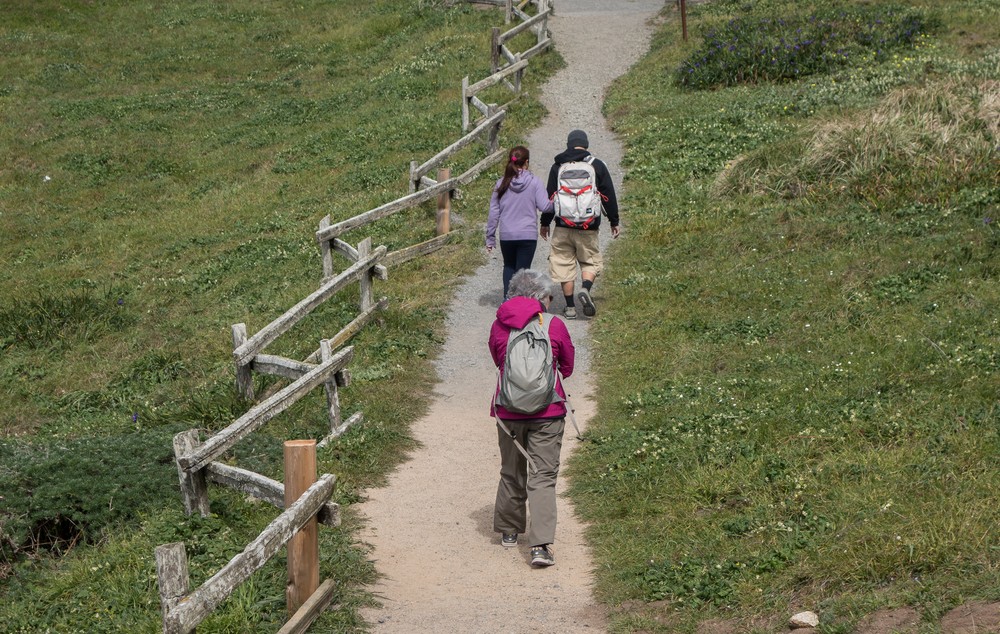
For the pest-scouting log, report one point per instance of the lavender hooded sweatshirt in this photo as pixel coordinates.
(515, 214)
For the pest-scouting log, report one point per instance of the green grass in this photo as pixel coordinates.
(817, 263)
(164, 169)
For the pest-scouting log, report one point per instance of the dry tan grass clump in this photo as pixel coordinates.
(917, 137)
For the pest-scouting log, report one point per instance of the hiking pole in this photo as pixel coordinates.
(572, 417)
(513, 437)
(570, 409)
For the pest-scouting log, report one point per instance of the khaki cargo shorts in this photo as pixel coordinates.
(570, 246)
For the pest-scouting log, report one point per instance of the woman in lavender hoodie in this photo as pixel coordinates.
(516, 199)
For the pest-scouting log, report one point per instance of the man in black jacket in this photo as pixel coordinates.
(578, 245)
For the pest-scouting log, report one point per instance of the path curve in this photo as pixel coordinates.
(440, 564)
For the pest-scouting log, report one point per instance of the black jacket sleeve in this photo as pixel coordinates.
(550, 187)
(607, 187)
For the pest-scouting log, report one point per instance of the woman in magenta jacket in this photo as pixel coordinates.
(514, 206)
(539, 434)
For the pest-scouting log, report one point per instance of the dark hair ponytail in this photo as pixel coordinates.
(515, 162)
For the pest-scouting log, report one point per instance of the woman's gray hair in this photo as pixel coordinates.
(530, 283)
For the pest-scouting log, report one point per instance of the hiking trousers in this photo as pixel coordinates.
(570, 247)
(519, 490)
(517, 255)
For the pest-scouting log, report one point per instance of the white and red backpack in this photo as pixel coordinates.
(576, 200)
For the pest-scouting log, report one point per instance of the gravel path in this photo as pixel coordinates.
(441, 566)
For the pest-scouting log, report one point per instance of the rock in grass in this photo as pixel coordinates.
(803, 619)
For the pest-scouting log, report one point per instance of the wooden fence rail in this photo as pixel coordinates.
(265, 489)
(489, 124)
(263, 412)
(469, 91)
(538, 23)
(330, 232)
(197, 463)
(244, 353)
(182, 610)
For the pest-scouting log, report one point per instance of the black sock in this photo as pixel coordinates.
(569, 300)
(587, 285)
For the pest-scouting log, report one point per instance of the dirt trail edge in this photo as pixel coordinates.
(431, 529)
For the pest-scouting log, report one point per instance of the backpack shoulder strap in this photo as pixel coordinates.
(544, 323)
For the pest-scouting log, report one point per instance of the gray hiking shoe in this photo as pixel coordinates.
(541, 556)
(569, 312)
(508, 540)
(587, 303)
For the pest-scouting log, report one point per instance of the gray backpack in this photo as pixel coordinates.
(528, 380)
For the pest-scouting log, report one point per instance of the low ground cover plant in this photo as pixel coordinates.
(816, 260)
(779, 46)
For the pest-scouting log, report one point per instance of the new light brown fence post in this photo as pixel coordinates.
(444, 204)
(303, 549)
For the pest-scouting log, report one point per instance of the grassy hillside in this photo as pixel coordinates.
(164, 168)
(811, 241)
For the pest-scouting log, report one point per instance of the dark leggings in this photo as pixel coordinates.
(517, 255)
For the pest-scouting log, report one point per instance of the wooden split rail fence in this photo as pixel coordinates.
(306, 503)
(198, 462)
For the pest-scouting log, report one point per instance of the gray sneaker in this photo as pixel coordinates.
(508, 540)
(586, 303)
(541, 556)
(569, 312)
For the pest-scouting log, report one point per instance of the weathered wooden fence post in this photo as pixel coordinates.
(495, 50)
(684, 19)
(493, 138)
(332, 395)
(465, 104)
(543, 6)
(194, 488)
(303, 549)
(508, 11)
(444, 204)
(244, 378)
(365, 281)
(414, 179)
(172, 575)
(325, 251)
